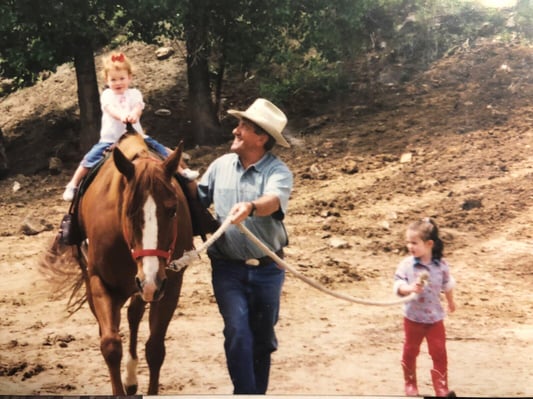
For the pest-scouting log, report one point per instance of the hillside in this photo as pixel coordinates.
(453, 143)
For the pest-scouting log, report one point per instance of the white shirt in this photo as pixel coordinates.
(112, 128)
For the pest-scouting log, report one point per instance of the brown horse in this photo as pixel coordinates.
(136, 219)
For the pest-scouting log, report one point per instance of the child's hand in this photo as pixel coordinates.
(133, 117)
(451, 306)
(417, 288)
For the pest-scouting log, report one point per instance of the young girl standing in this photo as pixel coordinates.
(120, 105)
(423, 316)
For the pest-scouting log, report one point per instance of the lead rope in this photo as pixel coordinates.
(188, 256)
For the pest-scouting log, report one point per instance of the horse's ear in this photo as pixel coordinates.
(123, 164)
(173, 160)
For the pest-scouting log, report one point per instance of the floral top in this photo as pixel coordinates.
(426, 307)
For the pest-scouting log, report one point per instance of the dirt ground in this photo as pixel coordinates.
(453, 143)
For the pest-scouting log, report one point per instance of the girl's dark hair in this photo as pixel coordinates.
(428, 230)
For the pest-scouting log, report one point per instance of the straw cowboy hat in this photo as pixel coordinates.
(267, 116)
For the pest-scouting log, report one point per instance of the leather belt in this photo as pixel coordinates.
(265, 260)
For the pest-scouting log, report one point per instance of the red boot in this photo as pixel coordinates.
(440, 384)
(409, 376)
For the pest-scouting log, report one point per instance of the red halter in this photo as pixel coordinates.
(160, 253)
(140, 253)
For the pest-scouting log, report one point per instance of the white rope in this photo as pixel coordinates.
(180, 263)
(189, 256)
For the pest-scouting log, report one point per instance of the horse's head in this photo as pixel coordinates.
(150, 202)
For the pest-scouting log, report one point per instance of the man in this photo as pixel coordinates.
(251, 186)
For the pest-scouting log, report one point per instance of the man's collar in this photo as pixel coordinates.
(259, 165)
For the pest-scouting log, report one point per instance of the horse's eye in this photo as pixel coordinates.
(171, 212)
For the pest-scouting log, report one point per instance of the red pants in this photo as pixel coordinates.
(435, 335)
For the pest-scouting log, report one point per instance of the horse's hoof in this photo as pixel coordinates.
(131, 390)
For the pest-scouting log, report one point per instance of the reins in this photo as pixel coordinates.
(189, 256)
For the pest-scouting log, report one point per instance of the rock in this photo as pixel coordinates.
(471, 204)
(349, 166)
(406, 157)
(385, 225)
(163, 112)
(338, 243)
(55, 165)
(163, 53)
(31, 227)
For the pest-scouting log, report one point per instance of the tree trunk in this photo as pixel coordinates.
(4, 165)
(205, 124)
(88, 96)
(218, 84)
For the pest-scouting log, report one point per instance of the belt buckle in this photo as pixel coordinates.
(252, 262)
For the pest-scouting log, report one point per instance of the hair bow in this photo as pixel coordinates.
(119, 58)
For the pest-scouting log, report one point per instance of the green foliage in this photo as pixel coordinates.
(291, 77)
(524, 18)
(421, 31)
(39, 35)
(292, 46)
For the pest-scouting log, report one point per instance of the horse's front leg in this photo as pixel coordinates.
(107, 312)
(135, 313)
(161, 313)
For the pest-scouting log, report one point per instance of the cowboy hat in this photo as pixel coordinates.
(266, 115)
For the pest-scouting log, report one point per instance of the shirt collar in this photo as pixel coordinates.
(416, 262)
(259, 165)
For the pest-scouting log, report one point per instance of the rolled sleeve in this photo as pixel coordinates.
(280, 184)
(449, 285)
(401, 276)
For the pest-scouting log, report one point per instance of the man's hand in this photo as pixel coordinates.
(240, 211)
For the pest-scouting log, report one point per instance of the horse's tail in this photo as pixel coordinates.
(64, 267)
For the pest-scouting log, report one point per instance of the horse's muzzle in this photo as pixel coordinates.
(151, 291)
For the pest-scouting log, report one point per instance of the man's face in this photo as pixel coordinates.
(245, 138)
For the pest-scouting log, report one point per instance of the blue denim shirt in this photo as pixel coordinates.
(226, 183)
(427, 307)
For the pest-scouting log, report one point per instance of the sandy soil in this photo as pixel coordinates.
(466, 125)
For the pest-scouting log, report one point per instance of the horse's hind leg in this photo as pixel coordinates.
(160, 315)
(135, 314)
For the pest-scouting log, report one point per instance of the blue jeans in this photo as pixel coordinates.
(96, 153)
(156, 146)
(248, 299)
